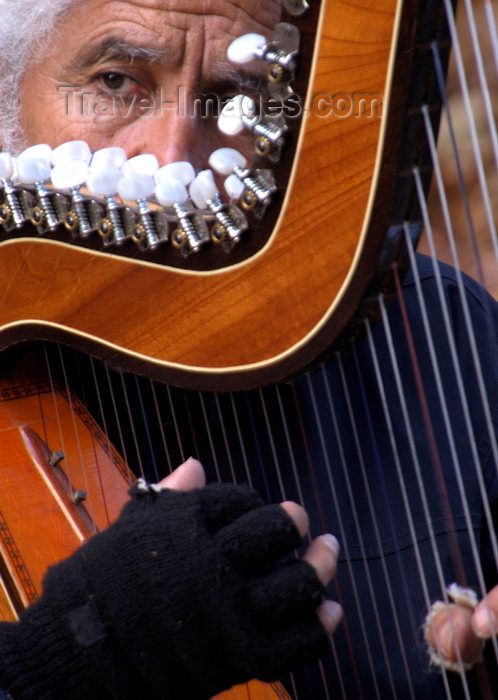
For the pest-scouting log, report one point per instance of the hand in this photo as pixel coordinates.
(462, 626)
(193, 589)
(485, 617)
(322, 553)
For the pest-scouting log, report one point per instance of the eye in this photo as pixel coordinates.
(117, 82)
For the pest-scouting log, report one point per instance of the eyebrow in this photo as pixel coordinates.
(242, 81)
(115, 48)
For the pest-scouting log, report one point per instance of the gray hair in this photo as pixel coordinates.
(25, 26)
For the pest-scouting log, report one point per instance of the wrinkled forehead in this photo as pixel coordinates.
(211, 23)
(264, 12)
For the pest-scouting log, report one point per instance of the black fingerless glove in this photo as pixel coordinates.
(184, 596)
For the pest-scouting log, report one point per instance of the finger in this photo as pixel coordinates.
(450, 634)
(485, 617)
(298, 515)
(224, 503)
(259, 538)
(288, 592)
(187, 477)
(330, 614)
(322, 554)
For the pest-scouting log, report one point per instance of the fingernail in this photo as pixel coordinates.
(332, 543)
(333, 612)
(484, 622)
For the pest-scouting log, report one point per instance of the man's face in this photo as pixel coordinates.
(119, 73)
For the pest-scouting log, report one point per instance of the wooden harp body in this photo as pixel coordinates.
(305, 360)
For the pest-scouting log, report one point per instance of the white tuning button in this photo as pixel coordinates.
(180, 170)
(111, 157)
(41, 151)
(68, 175)
(11, 211)
(71, 163)
(71, 150)
(170, 192)
(191, 232)
(103, 183)
(33, 170)
(203, 189)
(225, 160)
(6, 166)
(71, 175)
(145, 164)
(138, 187)
(245, 48)
(229, 222)
(234, 187)
(231, 119)
(135, 186)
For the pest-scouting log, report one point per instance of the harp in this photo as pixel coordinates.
(390, 440)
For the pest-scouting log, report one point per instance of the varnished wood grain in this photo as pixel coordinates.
(38, 526)
(214, 325)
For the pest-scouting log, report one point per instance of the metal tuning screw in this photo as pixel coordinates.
(11, 210)
(296, 7)
(239, 113)
(33, 168)
(102, 181)
(280, 53)
(191, 232)
(70, 171)
(252, 188)
(138, 185)
(230, 222)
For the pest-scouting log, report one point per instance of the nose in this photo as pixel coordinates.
(171, 136)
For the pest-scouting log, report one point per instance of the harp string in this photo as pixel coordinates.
(264, 437)
(407, 421)
(483, 80)
(404, 492)
(471, 332)
(469, 112)
(347, 466)
(326, 423)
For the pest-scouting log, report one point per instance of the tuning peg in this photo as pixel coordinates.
(280, 53)
(171, 192)
(238, 113)
(145, 164)
(191, 232)
(11, 209)
(296, 7)
(70, 174)
(103, 182)
(6, 166)
(41, 151)
(34, 168)
(203, 189)
(67, 176)
(230, 222)
(225, 160)
(180, 170)
(139, 186)
(136, 186)
(245, 48)
(252, 188)
(71, 151)
(110, 157)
